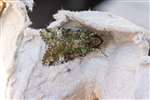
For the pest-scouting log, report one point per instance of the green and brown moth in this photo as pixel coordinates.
(65, 44)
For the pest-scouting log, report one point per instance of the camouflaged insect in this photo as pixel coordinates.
(65, 44)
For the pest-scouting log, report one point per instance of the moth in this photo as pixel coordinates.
(67, 43)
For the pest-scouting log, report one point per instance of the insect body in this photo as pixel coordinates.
(65, 44)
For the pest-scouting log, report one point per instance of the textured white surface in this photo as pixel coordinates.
(12, 23)
(120, 75)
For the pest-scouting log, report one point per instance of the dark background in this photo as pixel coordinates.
(43, 10)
